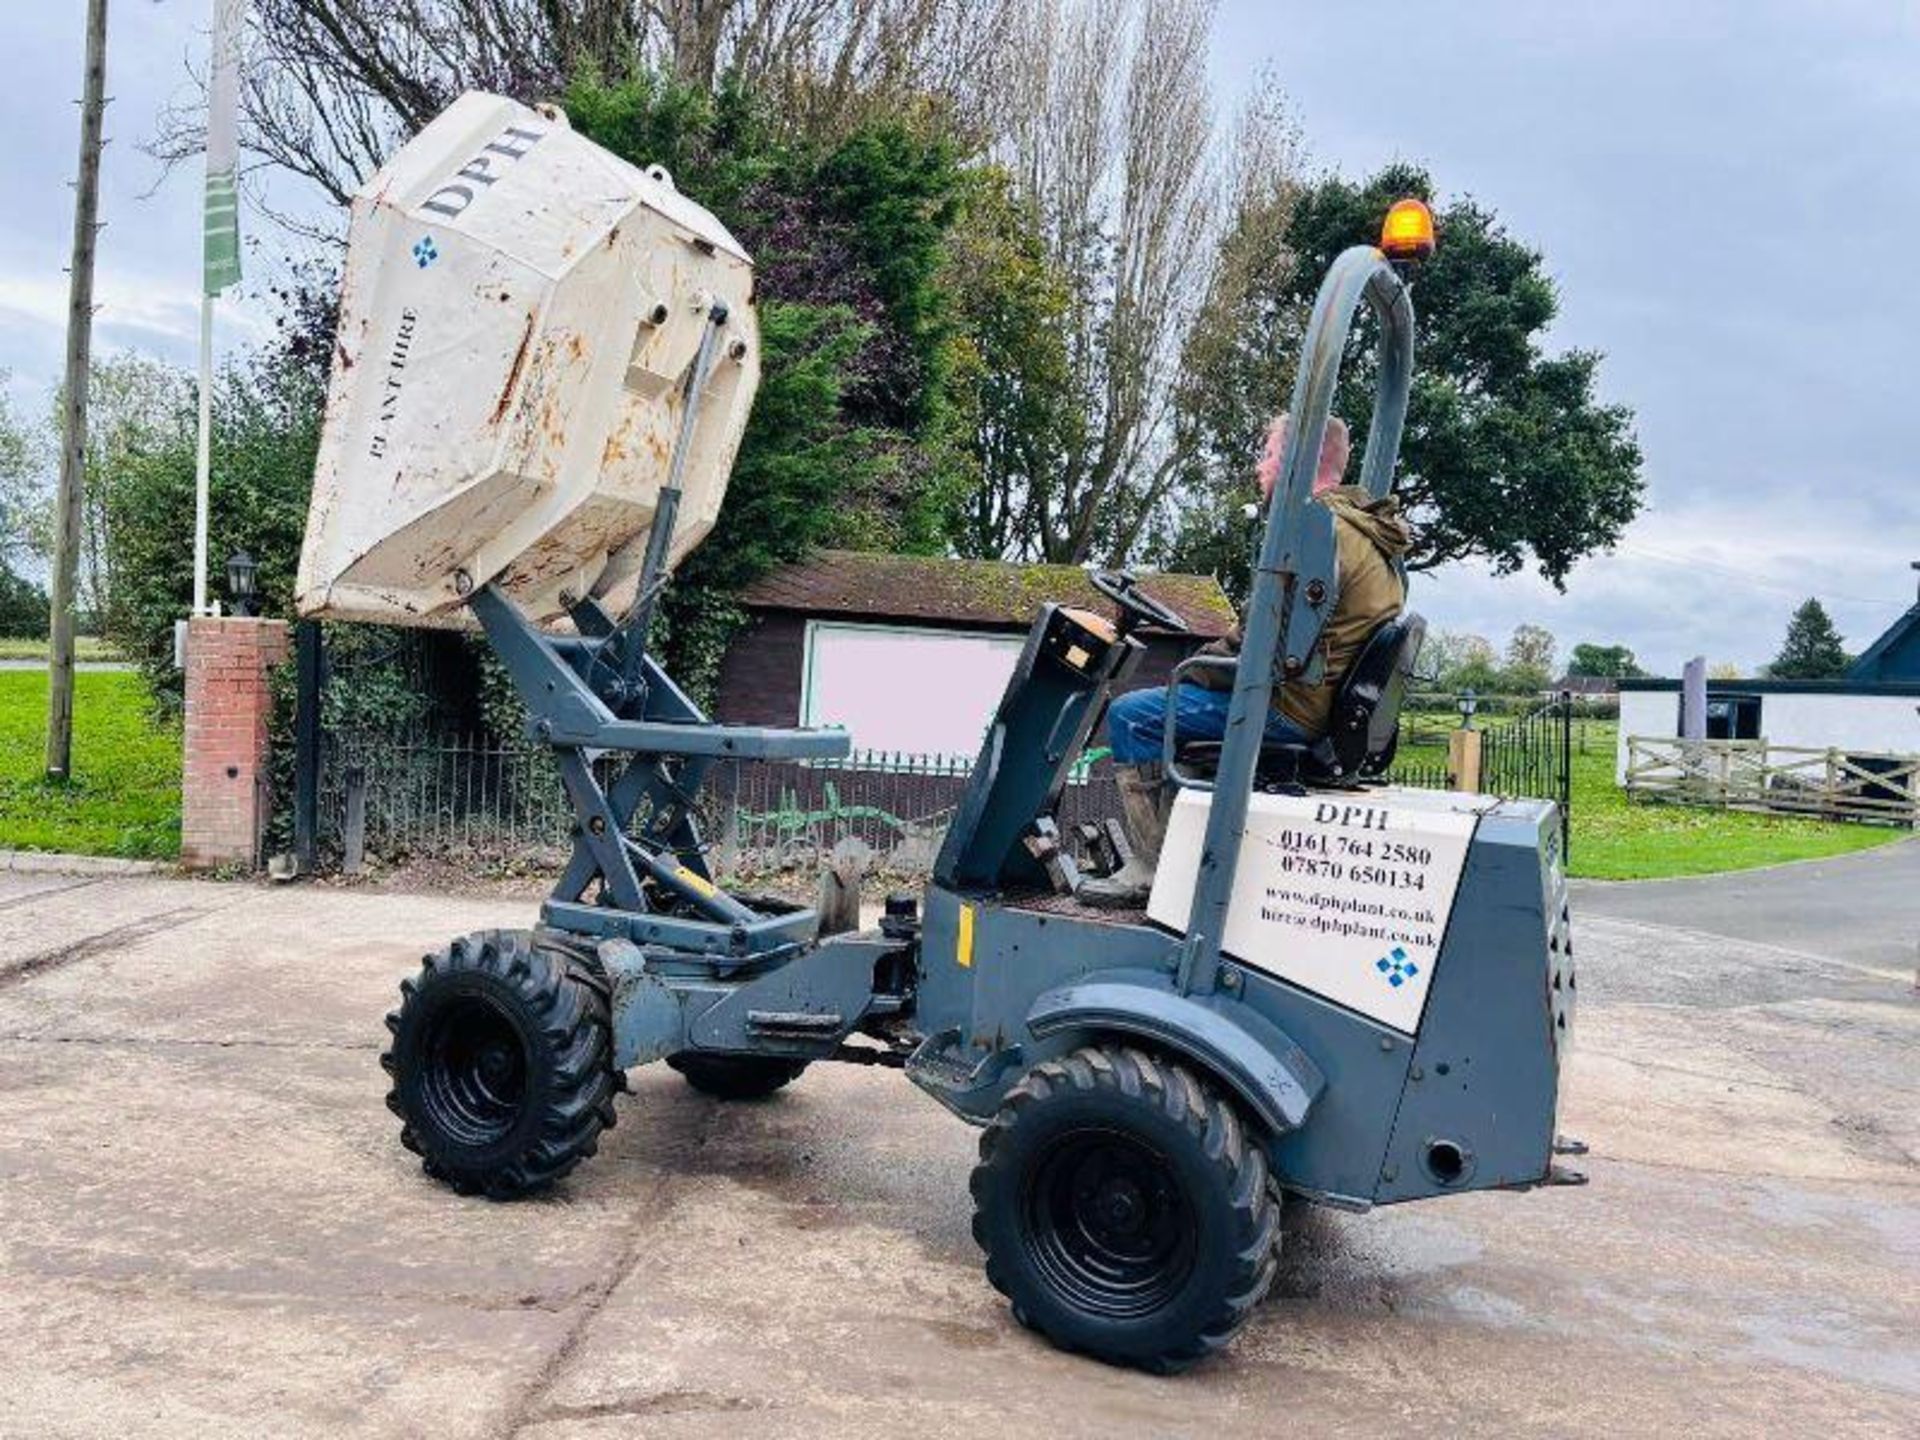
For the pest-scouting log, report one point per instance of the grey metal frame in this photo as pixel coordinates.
(985, 983)
(1297, 562)
(600, 691)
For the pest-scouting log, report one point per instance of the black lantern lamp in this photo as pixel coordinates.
(1468, 704)
(241, 574)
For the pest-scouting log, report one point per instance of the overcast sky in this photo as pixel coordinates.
(1726, 193)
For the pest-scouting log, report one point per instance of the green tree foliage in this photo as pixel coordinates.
(1014, 375)
(1446, 652)
(266, 419)
(23, 607)
(136, 405)
(24, 498)
(23, 515)
(1812, 649)
(1455, 662)
(857, 435)
(1530, 656)
(1507, 453)
(1482, 675)
(1606, 662)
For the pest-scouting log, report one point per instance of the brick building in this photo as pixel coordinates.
(911, 653)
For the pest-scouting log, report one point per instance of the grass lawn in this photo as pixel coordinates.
(85, 647)
(1615, 840)
(124, 798)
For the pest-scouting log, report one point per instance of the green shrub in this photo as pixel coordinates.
(23, 607)
(266, 429)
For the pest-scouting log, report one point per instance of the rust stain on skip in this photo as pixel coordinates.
(513, 374)
(615, 450)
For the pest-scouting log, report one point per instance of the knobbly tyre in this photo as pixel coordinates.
(1356, 993)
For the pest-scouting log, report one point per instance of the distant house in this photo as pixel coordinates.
(1873, 709)
(1586, 687)
(1896, 654)
(911, 653)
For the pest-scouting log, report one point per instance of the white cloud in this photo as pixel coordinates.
(132, 312)
(121, 301)
(1700, 581)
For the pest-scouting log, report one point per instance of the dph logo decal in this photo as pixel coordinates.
(1396, 967)
(425, 252)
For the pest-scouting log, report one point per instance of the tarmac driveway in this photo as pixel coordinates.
(208, 1228)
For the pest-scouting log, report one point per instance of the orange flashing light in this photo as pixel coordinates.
(1408, 231)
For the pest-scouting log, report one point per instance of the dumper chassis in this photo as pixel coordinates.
(1145, 1092)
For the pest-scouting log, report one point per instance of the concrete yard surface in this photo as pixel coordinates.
(208, 1227)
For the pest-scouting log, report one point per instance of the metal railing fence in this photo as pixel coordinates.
(497, 804)
(492, 805)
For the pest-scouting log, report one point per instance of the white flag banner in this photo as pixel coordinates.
(222, 250)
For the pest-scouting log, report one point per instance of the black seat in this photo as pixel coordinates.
(1364, 729)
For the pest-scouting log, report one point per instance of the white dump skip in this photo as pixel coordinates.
(1344, 893)
(518, 312)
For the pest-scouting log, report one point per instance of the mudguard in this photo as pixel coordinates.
(1250, 1055)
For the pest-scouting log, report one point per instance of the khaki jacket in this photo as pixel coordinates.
(1370, 536)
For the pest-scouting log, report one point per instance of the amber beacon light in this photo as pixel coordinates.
(1408, 231)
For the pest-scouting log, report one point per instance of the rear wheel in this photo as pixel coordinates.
(501, 1063)
(1124, 1209)
(736, 1077)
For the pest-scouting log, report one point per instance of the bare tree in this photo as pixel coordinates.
(331, 86)
(1110, 132)
(1100, 111)
(1232, 377)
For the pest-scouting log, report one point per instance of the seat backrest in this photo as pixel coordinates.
(1366, 709)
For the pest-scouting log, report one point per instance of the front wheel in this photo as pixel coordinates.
(501, 1063)
(1124, 1209)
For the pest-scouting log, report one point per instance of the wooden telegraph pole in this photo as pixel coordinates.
(73, 449)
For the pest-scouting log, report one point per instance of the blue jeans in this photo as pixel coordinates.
(1137, 722)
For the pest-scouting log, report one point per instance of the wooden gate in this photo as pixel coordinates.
(1830, 784)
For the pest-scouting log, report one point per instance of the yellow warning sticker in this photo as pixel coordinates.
(963, 945)
(696, 882)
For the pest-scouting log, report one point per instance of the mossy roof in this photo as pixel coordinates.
(996, 594)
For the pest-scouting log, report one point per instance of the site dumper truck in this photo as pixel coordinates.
(1342, 989)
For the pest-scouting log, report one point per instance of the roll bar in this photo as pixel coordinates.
(1289, 565)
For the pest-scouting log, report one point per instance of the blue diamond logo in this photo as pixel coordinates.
(425, 252)
(1396, 967)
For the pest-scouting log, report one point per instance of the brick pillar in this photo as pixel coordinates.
(223, 802)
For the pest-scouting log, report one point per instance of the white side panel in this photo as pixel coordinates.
(1346, 896)
(1646, 714)
(1864, 723)
(915, 691)
(1886, 723)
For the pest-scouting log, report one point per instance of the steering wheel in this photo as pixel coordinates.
(1123, 588)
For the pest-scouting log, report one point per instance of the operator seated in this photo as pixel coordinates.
(1371, 536)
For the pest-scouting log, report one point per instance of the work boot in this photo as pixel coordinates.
(1143, 812)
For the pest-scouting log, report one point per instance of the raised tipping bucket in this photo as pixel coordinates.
(518, 312)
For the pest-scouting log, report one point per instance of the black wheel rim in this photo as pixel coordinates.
(1108, 1224)
(473, 1082)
